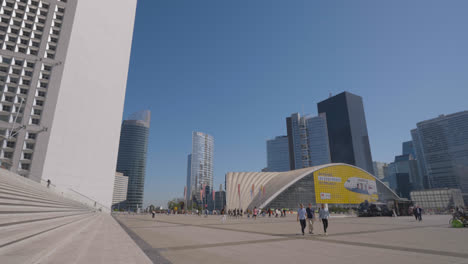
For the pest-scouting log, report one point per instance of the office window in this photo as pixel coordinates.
(25, 166)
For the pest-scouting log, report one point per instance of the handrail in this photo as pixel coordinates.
(65, 192)
(92, 200)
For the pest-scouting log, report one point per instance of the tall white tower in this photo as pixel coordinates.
(201, 163)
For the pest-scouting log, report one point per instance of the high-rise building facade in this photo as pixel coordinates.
(201, 163)
(278, 154)
(379, 169)
(408, 149)
(120, 190)
(417, 145)
(347, 130)
(34, 37)
(442, 147)
(53, 60)
(308, 141)
(132, 156)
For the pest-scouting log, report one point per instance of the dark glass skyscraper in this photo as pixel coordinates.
(308, 141)
(278, 154)
(132, 156)
(347, 130)
(442, 151)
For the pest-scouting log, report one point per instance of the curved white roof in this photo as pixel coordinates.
(274, 183)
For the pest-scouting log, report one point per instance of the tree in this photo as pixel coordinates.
(176, 202)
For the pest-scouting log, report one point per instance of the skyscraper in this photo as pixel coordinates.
(120, 190)
(407, 167)
(408, 149)
(442, 149)
(54, 59)
(132, 156)
(201, 163)
(347, 130)
(308, 141)
(379, 169)
(417, 145)
(278, 154)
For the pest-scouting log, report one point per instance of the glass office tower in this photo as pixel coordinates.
(442, 149)
(278, 154)
(347, 130)
(132, 156)
(308, 141)
(201, 163)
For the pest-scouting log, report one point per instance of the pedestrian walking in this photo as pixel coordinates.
(255, 212)
(415, 212)
(153, 213)
(324, 215)
(419, 211)
(310, 218)
(301, 217)
(48, 183)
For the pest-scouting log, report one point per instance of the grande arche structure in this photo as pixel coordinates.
(343, 185)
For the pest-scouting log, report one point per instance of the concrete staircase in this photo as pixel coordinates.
(39, 225)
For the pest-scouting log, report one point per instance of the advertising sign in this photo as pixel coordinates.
(344, 185)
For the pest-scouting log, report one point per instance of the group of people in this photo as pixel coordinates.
(235, 212)
(306, 216)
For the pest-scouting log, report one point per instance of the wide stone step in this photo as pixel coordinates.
(11, 202)
(101, 240)
(35, 247)
(26, 193)
(42, 195)
(12, 219)
(16, 233)
(8, 209)
(9, 196)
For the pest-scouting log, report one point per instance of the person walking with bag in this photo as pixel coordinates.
(324, 215)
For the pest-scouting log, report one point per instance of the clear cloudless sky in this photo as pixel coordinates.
(237, 69)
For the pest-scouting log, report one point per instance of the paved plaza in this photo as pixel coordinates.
(194, 239)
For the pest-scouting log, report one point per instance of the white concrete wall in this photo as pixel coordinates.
(83, 146)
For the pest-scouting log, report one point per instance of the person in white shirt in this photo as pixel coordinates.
(301, 217)
(324, 215)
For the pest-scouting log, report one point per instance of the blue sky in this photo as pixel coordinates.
(237, 69)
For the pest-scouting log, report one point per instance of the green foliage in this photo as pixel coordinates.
(176, 202)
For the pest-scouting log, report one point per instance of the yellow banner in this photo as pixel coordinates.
(344, 185)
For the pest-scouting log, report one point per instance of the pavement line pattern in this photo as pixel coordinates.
(152, 253)
(225, 244)
(212, 226)
(286, 237)
(413, 250)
